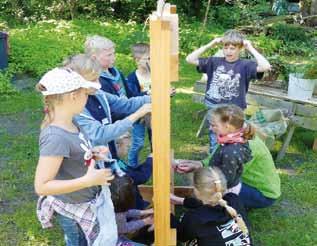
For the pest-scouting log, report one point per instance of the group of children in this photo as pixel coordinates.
(89, 108)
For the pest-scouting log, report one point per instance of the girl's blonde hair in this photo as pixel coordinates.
(211, 184)
(49, 102)
(234, 115)
(87, 67)
(94, 44)
(233, 37)
(83, 64)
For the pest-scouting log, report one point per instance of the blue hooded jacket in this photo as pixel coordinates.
(102, 134)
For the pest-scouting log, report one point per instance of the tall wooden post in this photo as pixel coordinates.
(161, 76)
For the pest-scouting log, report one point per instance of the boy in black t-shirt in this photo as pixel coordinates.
(228, 76)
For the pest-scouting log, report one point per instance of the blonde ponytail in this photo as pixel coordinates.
(233, 213)
(211, 184)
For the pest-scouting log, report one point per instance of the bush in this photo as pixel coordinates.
(5, 85)
(289, 33)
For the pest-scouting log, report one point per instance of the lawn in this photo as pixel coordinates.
(291, 221)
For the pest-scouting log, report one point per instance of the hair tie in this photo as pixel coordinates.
(46, 110)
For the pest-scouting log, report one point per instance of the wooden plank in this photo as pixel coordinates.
(286, 142)
(203, 126)
(160, 50)
(174, 67)
(264, 91)
(306, 110)
(200, 87)
(172, 180)
(173, 9)
(278, 94)
(182, 191)
(198, 98)
(307, 123)
(269, 102)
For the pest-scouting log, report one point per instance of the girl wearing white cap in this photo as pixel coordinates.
(66, 177)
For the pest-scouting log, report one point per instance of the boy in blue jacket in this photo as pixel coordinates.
(139, 84)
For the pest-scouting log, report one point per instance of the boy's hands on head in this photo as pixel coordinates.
(95, 177)
(215, 42)
(247, 44)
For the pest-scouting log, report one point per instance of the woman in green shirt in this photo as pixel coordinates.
(261, 185)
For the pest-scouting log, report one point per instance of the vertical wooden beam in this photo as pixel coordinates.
(160, 50)
(172, 181)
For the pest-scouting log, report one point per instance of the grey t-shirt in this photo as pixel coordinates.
(55, 141)
(228, 82)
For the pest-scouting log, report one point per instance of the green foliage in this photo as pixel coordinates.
(289, 33)
(268, 45)
(311, 70)
(5, 78)
(238, 13)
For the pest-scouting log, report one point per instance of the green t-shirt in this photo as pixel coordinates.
(260, 172)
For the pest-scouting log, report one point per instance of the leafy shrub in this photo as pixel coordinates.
(5, 85)
(289, 33)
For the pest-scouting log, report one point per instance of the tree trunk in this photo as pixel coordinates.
(196, 7)
(304, 7)
(313, 7)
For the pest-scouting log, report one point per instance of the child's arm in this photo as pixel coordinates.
(176, 200)
(193, 57)
(46, 171)
(263, 63)
(136, 213)
(135, 225)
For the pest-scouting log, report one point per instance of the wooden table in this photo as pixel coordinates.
(302, 113)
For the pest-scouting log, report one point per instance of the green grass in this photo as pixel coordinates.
(291, 221)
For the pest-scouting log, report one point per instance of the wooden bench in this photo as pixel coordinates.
(302, 113)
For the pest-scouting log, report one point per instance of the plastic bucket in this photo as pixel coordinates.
(299, 88)
(3, 50)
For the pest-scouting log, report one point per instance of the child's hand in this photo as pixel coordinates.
(100, 152)
(216, 41)
(95, 176)
(176, 200)
(172, 91)
(187, 166)
(147, 211)
(146, 108)
(247, 44)
(151, 228)
(149, 220)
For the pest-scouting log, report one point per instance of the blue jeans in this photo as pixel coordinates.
(211, 134)
(252, 198)
(73, 234)
(138, 134)
(212, 142)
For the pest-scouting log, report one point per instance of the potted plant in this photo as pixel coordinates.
(278, 75)
(302, 83)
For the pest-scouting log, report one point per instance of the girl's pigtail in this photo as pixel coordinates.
(233, 213)
(223, 203)
(248, 131)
